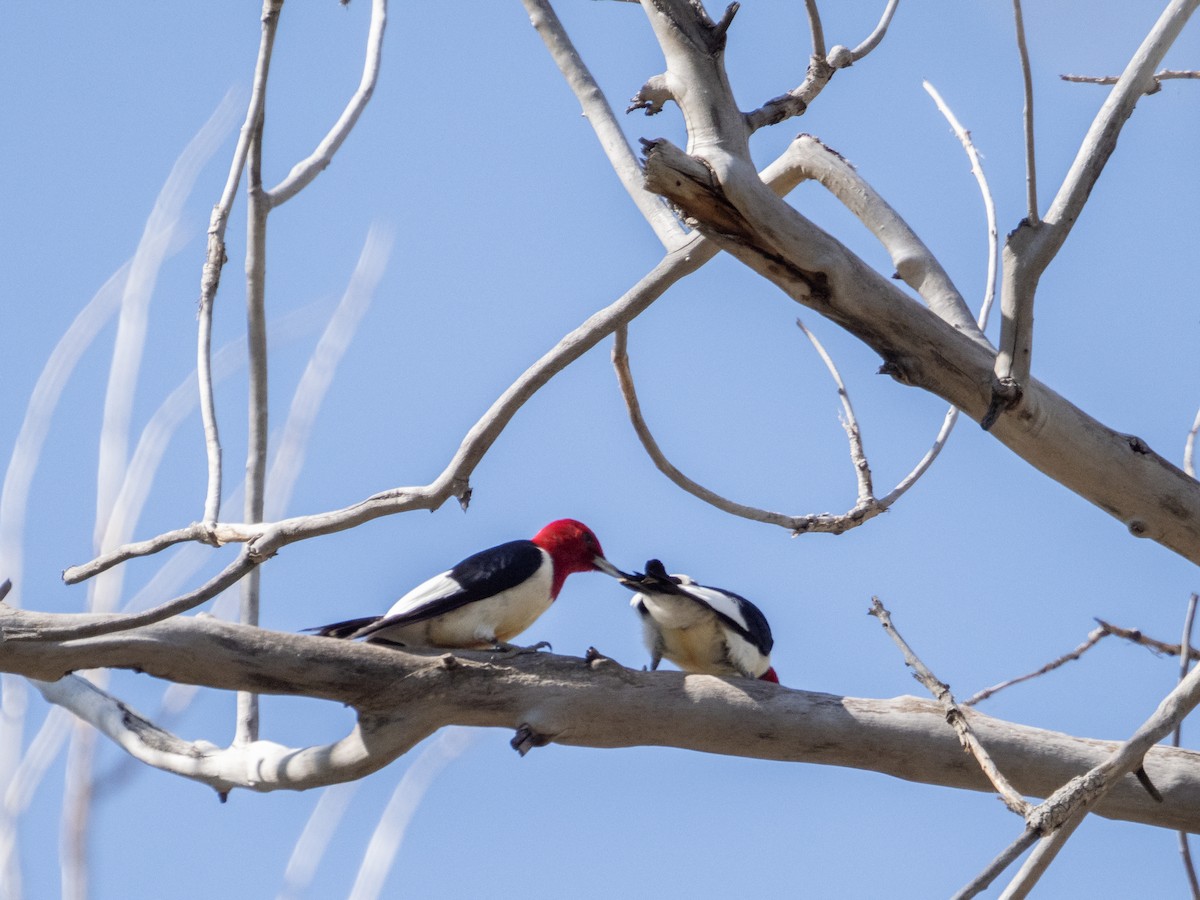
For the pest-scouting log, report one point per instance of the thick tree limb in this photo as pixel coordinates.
(721, 194)
(1117, 472)
(402, 697)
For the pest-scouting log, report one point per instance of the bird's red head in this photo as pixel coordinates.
(769, 675)
(573, 548)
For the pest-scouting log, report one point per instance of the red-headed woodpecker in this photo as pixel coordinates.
(489, 597)
(701, 629)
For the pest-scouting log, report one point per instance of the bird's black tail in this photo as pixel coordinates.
(344, 629)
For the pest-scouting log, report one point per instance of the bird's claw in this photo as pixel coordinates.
(526, 739)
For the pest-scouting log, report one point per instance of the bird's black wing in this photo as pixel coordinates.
(479, 576)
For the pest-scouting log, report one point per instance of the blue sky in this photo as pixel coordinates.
(509, 230)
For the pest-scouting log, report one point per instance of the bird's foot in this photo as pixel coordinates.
(507, 650)
(526, 739)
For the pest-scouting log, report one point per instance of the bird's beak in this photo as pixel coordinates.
(608, 568)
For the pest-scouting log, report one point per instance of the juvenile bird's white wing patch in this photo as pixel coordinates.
(718, 601)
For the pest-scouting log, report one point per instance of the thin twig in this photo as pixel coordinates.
(1093, 638)
(1185, 852)
(872, 40)
(1159, 77)
(110, 624)
(954, 715)
(862, 469)
(815, 28)
(215, 259)
(989, 204)
(1136, 636)
(821, 67)
(306, 170)
(258, 207)
(1027, 115)
(989, 293)
(821, 523)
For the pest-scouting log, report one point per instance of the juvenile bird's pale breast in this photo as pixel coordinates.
(697, 648)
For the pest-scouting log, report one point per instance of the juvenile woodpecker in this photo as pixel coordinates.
(701, 629)
(489, 597)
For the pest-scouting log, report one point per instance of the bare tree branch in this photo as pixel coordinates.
(306, 170)
(1136, 636)
(1185, 851)
(1032, 246)
(821, 67)
(724, 198)
(1159, 77)
(858, 458)
(1093, 638)
(258, 207)
(914, 263)
(1031, 198)
(599, 114)
(402, 697)
(815, 28)
(107, 623)
(955, 717)
(819, 522)
(872, 40)
(215, 257)
(1062, 812)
